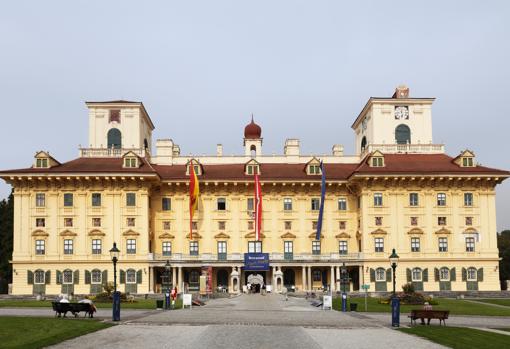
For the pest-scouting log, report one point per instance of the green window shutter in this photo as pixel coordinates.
(464, 274)
(105, 277)
(453, 275)
(388, 275)
(59, 277)
(87, 277)
(47, 277)
(139, 276)
(408, 274)
(122, 276)
(425, 275)
(30, 277)
(436, 274)
(479, 274)
(76, 277)
(372, 275)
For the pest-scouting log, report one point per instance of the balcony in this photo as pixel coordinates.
(239, 257)
(111, 152)
(405, 148)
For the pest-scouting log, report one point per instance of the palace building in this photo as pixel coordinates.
(398, 191)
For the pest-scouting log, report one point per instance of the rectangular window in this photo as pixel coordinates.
(441, 220)
(316, 247)
(222, 250)
(288, 247)
(40, 222)
(96, 246)
(413, 199)
(166, 204)
(287, 204)
(314, 225)
(342, 247)
(194, 225)
(288, 225)
(193, 248)
(40, 200)
(315, 204)
(250, 204)
(342, 225)
(130, 199)
(40, 247)
(221, 225)
(378, 199)
(467, 162)
(221, 204)
(443, 244)
(415, 244)
(67, 277)
(39, 277)
(314, 169)
(468, 199)
(130, 222)
(470, 244)
(342, 204)
(130, 162)
(68, 246)
(131, 246)
(254, 246)
(414, 220)
(68, 222)
(377, 162)
(469, 220)
(378, 220)
(68, 200)
(316, 275)
(167, 248)
(41, 163)
(166, 225)
(96, 199)
(379, 244)
(96, 222)
(441, 199)
(251, 225)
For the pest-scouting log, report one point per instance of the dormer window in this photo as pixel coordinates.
(114, 116)
(376, 160)
(41, 163)
(196, 167)
(44, 160)
(252, 168)
(313, 167)
(466, 159)
(131, 160)
(467, 162)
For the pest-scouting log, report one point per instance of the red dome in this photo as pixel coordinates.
(252, 130)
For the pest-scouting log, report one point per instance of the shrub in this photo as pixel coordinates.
(408, 288)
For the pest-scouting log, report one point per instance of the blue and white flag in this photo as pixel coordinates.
(321, 210)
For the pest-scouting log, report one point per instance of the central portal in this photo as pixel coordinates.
(256, 279)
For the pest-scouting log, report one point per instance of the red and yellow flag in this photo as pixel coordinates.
(193, 197)
(258, 208)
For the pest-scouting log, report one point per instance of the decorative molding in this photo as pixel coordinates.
(379, 232)
(470, 231)
(313, 235)
(222, 235)
(194, 236)
(40, 232)
(288, 235)
(96, 232)
(130, 233)
(415, 231)
(166, 236)
(343, 235)
(67, 232)
(443, 231)
(252, 235)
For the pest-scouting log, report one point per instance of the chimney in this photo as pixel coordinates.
(219, 150)
(402, 91)
(291, 147)
(176, 150)
(164, 151)
(338, 150)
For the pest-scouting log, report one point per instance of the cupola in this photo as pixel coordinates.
(252, 130)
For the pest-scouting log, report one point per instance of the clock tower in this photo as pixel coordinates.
(396, 124)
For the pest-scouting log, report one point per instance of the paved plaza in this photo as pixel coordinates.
(250, 321)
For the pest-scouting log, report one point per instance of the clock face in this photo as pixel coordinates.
(401, 113)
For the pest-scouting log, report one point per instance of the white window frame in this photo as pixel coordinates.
(316, 247)
(130, 276)
(287, 204)
(414, 199)
(39, 277)
(67, 281)
(416, 275)
(444, 274)
(441, 199)
(380, 275)
(93, 276)
(468, 199)
(470, 244)
(131, 246)
(415, 244)
(343, 247)
(193, 248)
(379, 244)
(288, 246)
(97, 243)
(475, 274)
(166, 248)
(442, 244)
(68, 246)
(222, 247)
(378, 200)
(40, 200)
(254, 246)
(40, 247)
(342, 204)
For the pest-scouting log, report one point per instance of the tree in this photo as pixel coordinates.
(6, 241)
(504, 254)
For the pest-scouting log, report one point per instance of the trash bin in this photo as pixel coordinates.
(159, 304)
(354, 306)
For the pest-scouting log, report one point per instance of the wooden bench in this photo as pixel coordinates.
(442, 315)
(74, 308)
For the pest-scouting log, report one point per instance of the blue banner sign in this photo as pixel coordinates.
(256, 261)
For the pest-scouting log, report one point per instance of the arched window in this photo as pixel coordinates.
(380, 274)
(416, 274)
(39, 277)
(253, 151)
(114, 139)
(68, 277)
(403, 134)
(363, 143)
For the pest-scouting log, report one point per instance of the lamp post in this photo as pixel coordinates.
(167, 294)
(395, 302)
(343, 279)
(114, 254)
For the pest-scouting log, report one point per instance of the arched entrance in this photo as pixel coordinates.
(256, 280)
(403, 134)
(222, 278)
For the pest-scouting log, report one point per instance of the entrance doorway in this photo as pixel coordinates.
(222, 279)
(256, 279)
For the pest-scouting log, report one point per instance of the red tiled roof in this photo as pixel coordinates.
(395, 164)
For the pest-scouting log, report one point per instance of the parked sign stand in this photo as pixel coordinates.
(365, 287)
(186, 300)
(327, 302)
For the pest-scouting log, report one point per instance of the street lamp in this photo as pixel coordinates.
(114, 254)
(395, 302)
(167, 294)
(343, 280)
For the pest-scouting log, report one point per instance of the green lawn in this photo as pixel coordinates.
(460, 337)
(139, 304)
(455, 306)
(498, 301)
(36, 332)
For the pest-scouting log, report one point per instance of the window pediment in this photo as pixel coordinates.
(379, 232)
(67, 232)
(470, 231)
(251, 235)
(39, 232)
(130, 233)
(443, 231)
(288, 235)
(342, 235)
(194, 236)
(314, 235)
(415, 231)
(166, 236)
(96, 232)
(222, 236)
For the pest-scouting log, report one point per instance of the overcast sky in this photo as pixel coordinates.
(304, 68)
